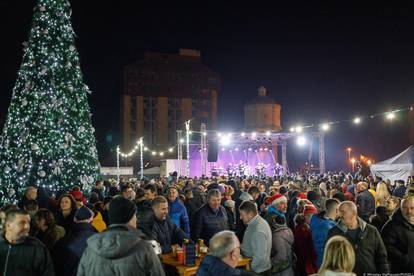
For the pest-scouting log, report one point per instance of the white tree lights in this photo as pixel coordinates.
(48, 139)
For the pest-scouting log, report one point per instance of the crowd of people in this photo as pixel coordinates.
(298, 224)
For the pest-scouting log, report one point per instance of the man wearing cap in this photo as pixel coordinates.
(68, 251)
(121, 248)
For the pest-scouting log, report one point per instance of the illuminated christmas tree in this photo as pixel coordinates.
(48, 139)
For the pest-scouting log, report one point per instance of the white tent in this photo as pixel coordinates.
(399, 167)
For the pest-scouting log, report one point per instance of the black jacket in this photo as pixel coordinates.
(145, 217)
(211, 266)
(29, 257)
(68, 251)
(66, 222)
(398, 236)
(167, 234)
(370, 253)
(366, 205)
(208, 222)
(192, 205)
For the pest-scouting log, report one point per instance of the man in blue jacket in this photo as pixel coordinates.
(320, 225)
(177, 210)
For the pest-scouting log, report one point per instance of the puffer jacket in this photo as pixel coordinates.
(99, 223)
(370, 253)
(398, 237)
(281, 255)
(29, 257)
(208, 222)
(179, 216)
(121, 250)
(319, 227)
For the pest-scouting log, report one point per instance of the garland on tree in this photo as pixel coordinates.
(48, 139)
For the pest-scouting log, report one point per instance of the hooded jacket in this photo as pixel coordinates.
(179, 216)
(28, 257)
(121, 250)
(370, 253)
(366, 205)
(398, 236)
(319, 227)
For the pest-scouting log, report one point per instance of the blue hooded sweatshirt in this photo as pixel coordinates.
(179, 216)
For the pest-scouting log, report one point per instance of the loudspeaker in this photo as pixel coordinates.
(212, 151)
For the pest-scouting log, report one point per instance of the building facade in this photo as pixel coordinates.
(163, 91)
(262, 113)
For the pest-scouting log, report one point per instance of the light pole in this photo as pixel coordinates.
(353, 164)
(349, 153)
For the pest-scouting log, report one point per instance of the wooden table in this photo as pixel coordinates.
(183, 270)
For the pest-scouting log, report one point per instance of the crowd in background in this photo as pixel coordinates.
(300, 224)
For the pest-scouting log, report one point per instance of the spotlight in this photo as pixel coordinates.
(356, 120)
(236, 149)
(261, 149)
(266, 149)
(299, 129)
(223, 149)
(182, 141)
(204, 133)
(161, 153)
(390, 116)
(170, 149)
(301, 141)
(292, 129)
(219, 134)
(325, 127)
(243, 134)
(268, 133)
(225, 140)
(250, 149)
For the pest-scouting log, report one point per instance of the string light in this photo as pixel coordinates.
(356, 120)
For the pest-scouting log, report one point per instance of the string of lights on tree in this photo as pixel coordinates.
(48, 139)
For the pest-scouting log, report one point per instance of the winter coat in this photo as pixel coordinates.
(68, 251)
(379, 221)
(192, 205)
(256, 244)
(208, 222)
(366, 205)
(66, 222)
(99, 223)
(319, 227)
(281, 255)
(232, 218)
(145, 217)
(167, 234)
(305, 253)
(370, 252)
(100, 192)
(399, 191)
(398, 237)
(121, 250)
(179, 216)
(212, 266)
(28, 257)
(51, 235)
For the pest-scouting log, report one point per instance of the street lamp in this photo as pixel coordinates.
(353, 164)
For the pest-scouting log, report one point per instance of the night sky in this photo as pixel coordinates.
(321, 63)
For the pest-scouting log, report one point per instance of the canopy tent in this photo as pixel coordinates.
(399, 167)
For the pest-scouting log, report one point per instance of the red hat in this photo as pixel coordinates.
(309, 209)
(275, 199)
(302, 196)
(77, 195)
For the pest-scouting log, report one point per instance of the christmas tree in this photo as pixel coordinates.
(48, 139)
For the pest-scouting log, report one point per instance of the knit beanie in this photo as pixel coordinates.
(121, 210)
(83, 213)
